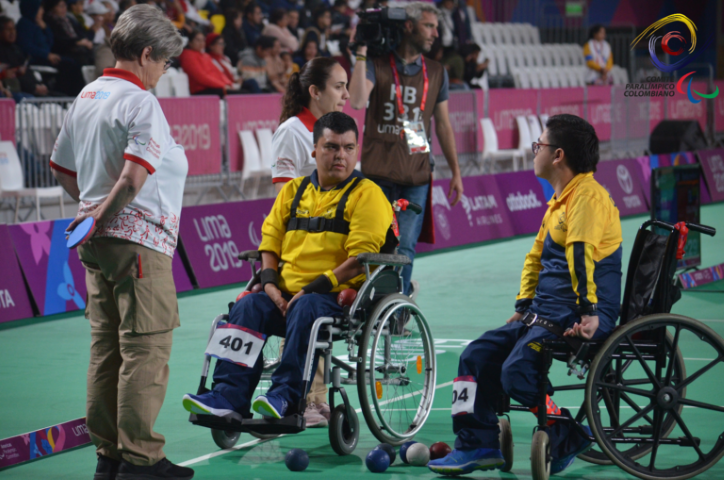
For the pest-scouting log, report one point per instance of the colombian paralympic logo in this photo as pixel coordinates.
(666, 45)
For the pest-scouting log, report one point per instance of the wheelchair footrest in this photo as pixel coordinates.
(263, 426)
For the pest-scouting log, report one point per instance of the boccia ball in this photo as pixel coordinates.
(377, 461)
(297, 460)
(346, 297)
(418, 455)
(439, 450)
(403, 450)
(389, 449)
(256, 288)
(242, 295)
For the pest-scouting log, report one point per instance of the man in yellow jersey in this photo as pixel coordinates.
(571, 277)
(317, 227)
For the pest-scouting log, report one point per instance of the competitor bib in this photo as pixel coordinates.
(415, 136)
(464, 390)
(236, 344)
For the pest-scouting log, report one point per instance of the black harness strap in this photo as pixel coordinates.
(531, 319)
(320, 224)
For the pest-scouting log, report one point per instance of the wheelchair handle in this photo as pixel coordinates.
(402, 204)
(692, 226)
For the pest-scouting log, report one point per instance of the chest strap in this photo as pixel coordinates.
(320, 224)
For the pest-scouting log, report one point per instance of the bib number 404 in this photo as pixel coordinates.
(463, 400)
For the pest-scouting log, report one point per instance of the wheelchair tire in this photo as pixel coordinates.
(637, 451)
(506, 444)
(540, 456)
(343, 431)
(411, 386)
(664, 395)
(223, 439)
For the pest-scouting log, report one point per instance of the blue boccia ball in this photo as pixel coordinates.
(403, 451)
(297, 460)
(389, 449)
(377, 461)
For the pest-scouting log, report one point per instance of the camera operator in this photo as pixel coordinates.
(404, 91)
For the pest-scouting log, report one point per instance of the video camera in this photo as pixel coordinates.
(381, 29)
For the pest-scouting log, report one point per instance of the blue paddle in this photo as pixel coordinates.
(81, 232)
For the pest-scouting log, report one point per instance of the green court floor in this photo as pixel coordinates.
(463, 293)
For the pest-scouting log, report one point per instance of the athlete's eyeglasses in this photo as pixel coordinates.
(535, 146)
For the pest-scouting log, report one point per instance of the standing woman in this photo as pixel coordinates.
(116, 156)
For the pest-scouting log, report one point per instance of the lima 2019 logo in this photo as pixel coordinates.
(665, 45)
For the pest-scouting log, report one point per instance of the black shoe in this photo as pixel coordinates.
(163, 469)
(107, 468)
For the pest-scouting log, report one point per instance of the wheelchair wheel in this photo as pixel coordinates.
(652, 392)
(224, 439)
(343, 431)
(613, 402)
(540, 456)
(506, 444)
(396, 370)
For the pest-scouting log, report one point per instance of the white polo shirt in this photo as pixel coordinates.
(115, 119)
(293, 144)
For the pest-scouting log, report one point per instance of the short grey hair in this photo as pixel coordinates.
(144, 26)
(414, 10)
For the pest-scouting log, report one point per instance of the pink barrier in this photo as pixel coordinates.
(621, 179)
(480, 108)
(656, 111)
(598, 111)
(554, 101)
(195, 124)
(712, 164)
(719, 107)
(506, 104)
(7, 120)
(462, 108)
(524, 199)
(14, 300)
(679, 107)
(43, 442)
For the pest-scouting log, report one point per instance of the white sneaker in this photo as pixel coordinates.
(313, 418)
(414, 289)
(324, 410)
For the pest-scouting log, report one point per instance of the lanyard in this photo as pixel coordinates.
(398, 90)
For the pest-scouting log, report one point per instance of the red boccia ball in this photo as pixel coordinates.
(346, 297)
(242, 294)
(256, 288)
(439, 450)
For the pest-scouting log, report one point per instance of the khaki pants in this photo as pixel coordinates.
(132, 317)
(318, 389)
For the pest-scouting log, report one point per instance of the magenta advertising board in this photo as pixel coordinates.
(462, 114)
(7, 120)
(524, 200)
(213, 236)
(506, 104)
(598, 110)
(621, 179)
(195, 124)
(554, 101)
(679, 107)
(43, 442)
(712, 165)
(480, 215)
(14, 300)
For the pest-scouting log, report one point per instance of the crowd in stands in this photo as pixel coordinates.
(260, 45)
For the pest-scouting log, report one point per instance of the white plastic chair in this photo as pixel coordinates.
(534, 127)
(491, 153)
(534, 77)
(89, 73)
(180, 84)
(543, 119)
(164, 87)
(12, 183)
(253, 167)
(506, 31)
(524, 139)
(264, 136)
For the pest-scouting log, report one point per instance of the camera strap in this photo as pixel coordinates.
(398, 89)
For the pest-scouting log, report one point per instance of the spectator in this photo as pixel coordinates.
(275, 69)
(309, 50)
(11, 9)
(204, 77)
(97, 13)
(67, 40)
(341, 20)
(290, 68)
(36, 39)
(17, 78)
(253, 62)
(293, 23)
(319, 31)
(81, 22)
(277, 28)
(234, 37)
(253, 24)
(215, 48)
(454, 65)
(599, 58)
(102, 53)
(473, 69)
(174, 10)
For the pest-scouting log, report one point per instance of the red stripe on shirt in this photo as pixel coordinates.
(140, 161)
(307, 118)
(281, 179)
(55, 166)
(124, 75)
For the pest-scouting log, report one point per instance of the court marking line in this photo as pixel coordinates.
(258, 440)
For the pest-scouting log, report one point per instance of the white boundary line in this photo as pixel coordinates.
(258, 441)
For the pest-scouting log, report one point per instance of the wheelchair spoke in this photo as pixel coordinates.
(635, 406)
(631, 420)
(622, 388)
(658, 419)
(612, 413)
(686, 431)
(699, 373)
(643, 363)
(672, 358)
(707, 406)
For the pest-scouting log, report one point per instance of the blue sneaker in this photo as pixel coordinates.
(460, 462)
(210, 403)
(272, 407)
(557, 466)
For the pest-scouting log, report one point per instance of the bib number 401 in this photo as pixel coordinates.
(236, 344)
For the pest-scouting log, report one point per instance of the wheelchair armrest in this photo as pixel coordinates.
(383, 259)
(250, 255)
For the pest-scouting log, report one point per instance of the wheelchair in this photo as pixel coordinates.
(636, 380)
(391, 360)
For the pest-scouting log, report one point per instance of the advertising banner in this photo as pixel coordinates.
(7, 120)
(679, 107)
(195, 124)
(506, 104)
(479, 216)
(712, 165)
(620, 178)
(554, 101)
(14, 300)
(524, 199)
(43, 442)
(213, 236)
(461, 107)
(598, 110)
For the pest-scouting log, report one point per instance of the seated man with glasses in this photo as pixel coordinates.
(571, 277)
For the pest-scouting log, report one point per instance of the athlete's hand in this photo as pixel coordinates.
(456, 185)
(94, 212)
(516, 316)
(294, 298)
(585, 329)
(276, 296)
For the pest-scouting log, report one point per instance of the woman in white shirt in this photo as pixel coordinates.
(319, 88)
(599, 58)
